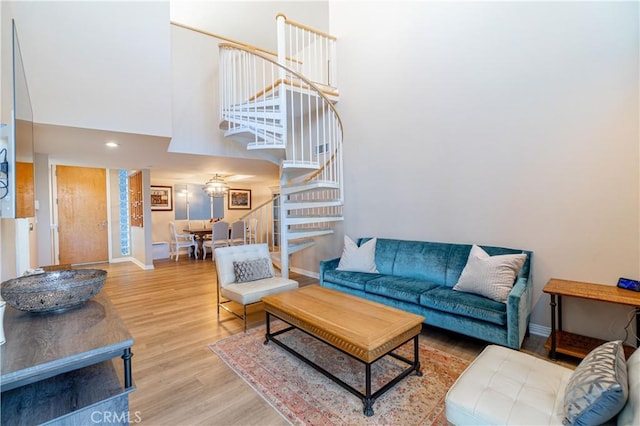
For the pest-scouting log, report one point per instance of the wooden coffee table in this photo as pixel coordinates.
(364, 330)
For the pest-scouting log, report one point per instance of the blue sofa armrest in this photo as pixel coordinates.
(326, 265)
(518, 312)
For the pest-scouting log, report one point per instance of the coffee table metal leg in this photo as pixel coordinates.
(367, 400)
(268, 332)
(416, 356)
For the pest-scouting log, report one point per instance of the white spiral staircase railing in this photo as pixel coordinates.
(268, 103)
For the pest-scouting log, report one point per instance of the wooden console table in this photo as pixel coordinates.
(58, 368)
(575, 344)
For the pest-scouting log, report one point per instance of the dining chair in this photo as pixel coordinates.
(219, 238)
(238, 233)
(181, 240)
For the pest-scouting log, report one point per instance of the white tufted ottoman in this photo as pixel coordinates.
(506, 387)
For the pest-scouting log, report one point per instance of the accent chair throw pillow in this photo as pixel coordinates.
(598, 387)
(490, 276)
(252, 270)
(358, 259)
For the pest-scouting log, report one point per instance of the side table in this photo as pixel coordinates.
(574, 344)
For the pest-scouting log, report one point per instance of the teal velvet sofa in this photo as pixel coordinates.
(418, 277)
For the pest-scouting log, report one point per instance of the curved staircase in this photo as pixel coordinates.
(282, 105)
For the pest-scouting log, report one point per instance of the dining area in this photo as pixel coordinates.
(201, 237)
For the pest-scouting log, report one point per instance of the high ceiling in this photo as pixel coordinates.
(118, 71)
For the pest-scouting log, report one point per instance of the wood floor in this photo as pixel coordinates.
(171, 313)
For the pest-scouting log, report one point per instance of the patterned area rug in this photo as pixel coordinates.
(306, 397)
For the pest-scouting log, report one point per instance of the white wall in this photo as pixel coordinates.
(500, 123)
(105, 65)
(194, 63)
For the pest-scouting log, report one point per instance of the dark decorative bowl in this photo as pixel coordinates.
(53, 291)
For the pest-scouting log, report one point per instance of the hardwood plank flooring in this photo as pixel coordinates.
(171, 313)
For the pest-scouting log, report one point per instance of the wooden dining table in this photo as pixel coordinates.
(201, 235)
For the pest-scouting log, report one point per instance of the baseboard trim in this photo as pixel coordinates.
(132, 260)
(539, 330)
(121, 259)
(306, 273)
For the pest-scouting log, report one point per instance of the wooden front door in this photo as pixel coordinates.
(82, 214)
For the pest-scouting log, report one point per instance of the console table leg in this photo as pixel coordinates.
(637, 327)
(126, 356)
(553, 326)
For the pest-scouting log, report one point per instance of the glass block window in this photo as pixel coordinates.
(123, 179)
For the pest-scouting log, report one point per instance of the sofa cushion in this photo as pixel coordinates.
(405, 289)
(253, 291)
(490, 276)
(355, 280)
(358, 259)
(467, 304)
(421, 260)
(598, 387)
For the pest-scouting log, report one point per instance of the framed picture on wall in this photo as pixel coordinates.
(161, 198)
(239, 199)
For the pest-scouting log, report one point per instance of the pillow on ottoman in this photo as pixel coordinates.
(598, 388)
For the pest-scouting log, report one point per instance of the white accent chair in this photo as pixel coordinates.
(245, 293)
(503, 386)
(219, 238)
(180, 240)
(238, 233)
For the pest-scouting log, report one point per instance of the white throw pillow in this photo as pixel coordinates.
(490, 276)
(358, 259)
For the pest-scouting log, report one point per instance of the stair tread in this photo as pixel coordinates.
(312, 201)
(311, 216)
(308, 230)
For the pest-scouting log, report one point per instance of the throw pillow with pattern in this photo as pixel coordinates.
(252, 270)
(598, 387)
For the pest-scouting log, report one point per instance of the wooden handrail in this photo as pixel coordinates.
(255, 209)
(290, 83)
(231, 40)
(305, 27)
(321, 169)
(241, 43)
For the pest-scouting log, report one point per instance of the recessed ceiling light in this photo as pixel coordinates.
(112, 144)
